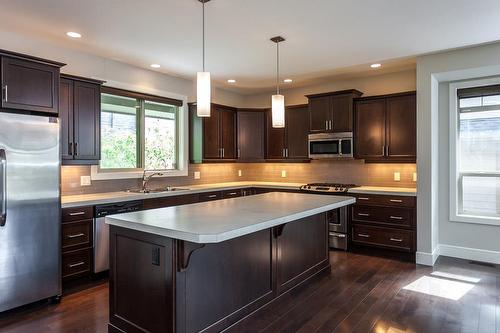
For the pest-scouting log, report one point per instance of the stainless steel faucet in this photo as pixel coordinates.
(147, 178)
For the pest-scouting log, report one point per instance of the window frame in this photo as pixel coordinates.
(181, 138)
(456, 177)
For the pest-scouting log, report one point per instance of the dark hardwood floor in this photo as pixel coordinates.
(362, 294)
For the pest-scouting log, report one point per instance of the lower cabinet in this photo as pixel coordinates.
(77, 242)
(386, 222)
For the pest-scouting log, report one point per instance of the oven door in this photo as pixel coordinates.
(324, 148)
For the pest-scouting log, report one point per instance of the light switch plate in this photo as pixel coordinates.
(283, 173)
(239, 173)
(397, 176)
(85, 181)
(197, 175)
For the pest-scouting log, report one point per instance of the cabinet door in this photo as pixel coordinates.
(211, 142)
(369, 133)
(29, 86)
(401, 127)
(87, 109)
(342, 109)
(228, 133)
(297, 129)
(320, 113)
(275, 141)
(251, 126)
(66, 118)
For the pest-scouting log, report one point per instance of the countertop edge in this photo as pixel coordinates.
(383, 192)
(231, 234)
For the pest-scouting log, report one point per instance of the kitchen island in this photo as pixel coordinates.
(205, 266)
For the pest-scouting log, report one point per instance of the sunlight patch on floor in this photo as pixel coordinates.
(433, 286)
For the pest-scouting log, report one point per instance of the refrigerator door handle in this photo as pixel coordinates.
(3, 188)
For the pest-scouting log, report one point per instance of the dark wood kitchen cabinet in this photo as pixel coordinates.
(251, 135)
(385, 128)
(28, 83)
(333, 111)
(219, 134)
(289, 143)
(80, 111)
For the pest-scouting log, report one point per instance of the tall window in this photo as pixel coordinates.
(478, 152)
(138, 132)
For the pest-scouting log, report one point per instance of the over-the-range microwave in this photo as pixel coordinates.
(330, 145)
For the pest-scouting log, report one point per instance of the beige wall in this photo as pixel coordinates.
(343, 171)
(369, 85)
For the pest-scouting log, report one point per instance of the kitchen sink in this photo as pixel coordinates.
(158, 190)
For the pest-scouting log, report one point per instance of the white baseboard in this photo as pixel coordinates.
(492, 257)
(427, 259)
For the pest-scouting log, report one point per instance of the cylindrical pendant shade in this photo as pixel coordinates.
(203, 94)
(278, 111)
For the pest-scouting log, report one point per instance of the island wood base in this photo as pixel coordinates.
(160, 284)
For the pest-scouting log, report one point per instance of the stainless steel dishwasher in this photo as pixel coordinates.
(101, 230)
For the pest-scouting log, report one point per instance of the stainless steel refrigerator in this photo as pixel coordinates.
(30, 209)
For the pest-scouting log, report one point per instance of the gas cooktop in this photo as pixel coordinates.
(327, 187)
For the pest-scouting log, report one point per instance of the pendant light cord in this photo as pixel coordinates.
(278, 68)
(203, 35)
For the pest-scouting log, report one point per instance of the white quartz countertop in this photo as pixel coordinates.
(217, 221)
(403, 191)
(71, 201)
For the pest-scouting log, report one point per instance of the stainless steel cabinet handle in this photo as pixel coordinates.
(6, 94)
(387, 150)
(364, 235)
(223, 152)
(396, 200)
(3, 188)
(233, 193)
(331, 124)
(77, 264)
(396, 217)
(76, 149)
(363, 214)
(70, 149)
(239, 153)
(399, 240)
(76, 235)
(286, 152)
(326, 124)
(383, 150)
(363, 198)
(212, 196)
(76, 213)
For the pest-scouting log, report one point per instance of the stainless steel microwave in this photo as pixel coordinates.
(330, 145)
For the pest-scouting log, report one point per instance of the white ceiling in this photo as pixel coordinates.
(324, 37)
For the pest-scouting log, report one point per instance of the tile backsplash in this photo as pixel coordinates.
(342, 171)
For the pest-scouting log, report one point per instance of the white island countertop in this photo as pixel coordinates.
(221, 220)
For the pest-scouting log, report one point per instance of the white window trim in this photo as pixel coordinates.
(183, 119)
(455, 191)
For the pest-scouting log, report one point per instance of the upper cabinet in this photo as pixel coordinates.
(332, 112)
(79, 113)
(28, 83)
(385, 128)
(213, 138)
(251, 135)
(289, 143)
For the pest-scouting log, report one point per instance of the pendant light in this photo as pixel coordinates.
(278, 100)
(203, 89)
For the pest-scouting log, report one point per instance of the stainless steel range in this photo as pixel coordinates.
(337, 220)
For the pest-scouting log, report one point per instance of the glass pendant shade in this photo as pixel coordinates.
(203, 94)
(278, 111)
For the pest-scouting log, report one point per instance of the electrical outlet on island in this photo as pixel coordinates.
(283, 173)
(85, 181)
(197, 175)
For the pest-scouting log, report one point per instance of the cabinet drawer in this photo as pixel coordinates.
(76, 263)
(77, 235)
(77, 213)
(401, 217)
(231, 193)
(385, 200)
(383, 237)
(209, 196)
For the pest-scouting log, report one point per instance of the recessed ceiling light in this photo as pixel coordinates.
(375, 65)
(231, 81)
(288, 80)
(73, 34)
(155, 66)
